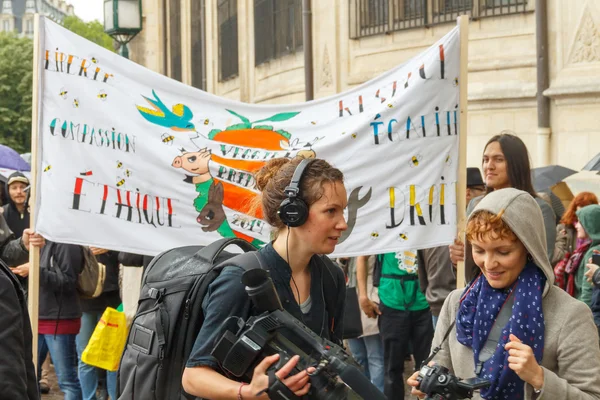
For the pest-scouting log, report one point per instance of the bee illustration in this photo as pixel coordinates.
(206, 121)
(119, 164)
(127, 173)
(94, 60)
(121, 183)
(448, 160)
(167, 139)
(415, 160)
(313, 122)
(402, 236)
(63, 93)
(354, 136)
(374, 235)
(102, 95)
(76, 103)
(47, 168)
(390, 105)
(455, 81)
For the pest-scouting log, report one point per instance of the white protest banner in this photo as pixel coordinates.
(131, 160)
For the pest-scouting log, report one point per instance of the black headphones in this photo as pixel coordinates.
(293, 211)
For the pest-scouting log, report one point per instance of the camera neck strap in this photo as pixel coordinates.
(492, 340)
(439, 347)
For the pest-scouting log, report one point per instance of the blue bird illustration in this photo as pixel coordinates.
(179, 119)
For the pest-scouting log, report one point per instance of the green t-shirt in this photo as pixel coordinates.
(399, 286)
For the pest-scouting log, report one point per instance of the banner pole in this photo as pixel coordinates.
(34, 252)
(461, 187)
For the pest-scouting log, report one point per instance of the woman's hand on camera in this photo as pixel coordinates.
(369, 307)
(412, 381)
(457, 251)
(522, 360)
(298, 383)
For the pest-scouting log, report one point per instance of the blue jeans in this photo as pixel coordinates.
(368, 352)
(434, 319)
(64, 356)
(88, 375)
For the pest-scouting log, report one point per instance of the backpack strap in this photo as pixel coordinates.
(210, 253)
(330, 295)
(247, 261)
(377, 270)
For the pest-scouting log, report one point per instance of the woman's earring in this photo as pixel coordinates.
(529, 258)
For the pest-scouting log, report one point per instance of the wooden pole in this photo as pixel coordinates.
(34, 252)
(461, 188)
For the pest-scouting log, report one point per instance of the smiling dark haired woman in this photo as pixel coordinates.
(506, 164)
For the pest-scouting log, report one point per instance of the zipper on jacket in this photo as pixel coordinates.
(186, 312)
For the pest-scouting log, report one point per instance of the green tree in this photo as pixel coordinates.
(16, 59)
(93, 31)
(16, 72)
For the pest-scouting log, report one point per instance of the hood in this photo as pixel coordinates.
(589, 217)
(524, 217)
(15, 177)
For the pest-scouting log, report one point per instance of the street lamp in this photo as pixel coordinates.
(122, 21)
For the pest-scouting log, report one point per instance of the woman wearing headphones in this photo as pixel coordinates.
(304, 201)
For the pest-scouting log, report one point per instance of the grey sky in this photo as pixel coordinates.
(88, 10)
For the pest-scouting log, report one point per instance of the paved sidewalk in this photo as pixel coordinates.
(56, 394)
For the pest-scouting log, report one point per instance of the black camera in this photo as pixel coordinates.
(244, 344)
(439, 384)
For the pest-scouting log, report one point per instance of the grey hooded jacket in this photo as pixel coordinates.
(571, 360)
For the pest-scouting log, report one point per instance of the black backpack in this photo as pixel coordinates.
(169, 317)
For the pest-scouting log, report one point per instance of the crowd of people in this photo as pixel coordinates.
(528, 320)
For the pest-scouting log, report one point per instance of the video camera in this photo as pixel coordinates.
(244, 344)
(439, 384)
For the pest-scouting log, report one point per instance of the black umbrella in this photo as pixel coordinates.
(593, 164)
(545, 177)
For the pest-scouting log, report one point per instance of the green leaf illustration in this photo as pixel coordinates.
(278, 117)
(265, 127)
(238, 127)
(244, 119)
(285, 134)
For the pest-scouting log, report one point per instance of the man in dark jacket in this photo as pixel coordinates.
(15, 211)
(16, 214)
(17, 372)
(60, 313)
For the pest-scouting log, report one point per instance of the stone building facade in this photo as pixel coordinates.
(17, 15)
(250, 50)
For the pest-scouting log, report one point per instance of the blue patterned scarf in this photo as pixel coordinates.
(478, 310)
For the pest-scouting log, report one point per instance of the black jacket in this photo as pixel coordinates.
(12, 251)
(227, 297)
(60, 266)
(17, 373)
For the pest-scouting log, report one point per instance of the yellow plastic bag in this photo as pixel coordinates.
(107, 342)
